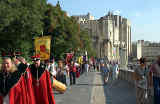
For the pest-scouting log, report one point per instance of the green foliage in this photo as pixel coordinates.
(63, 30)
(22, 20)
(87, 43)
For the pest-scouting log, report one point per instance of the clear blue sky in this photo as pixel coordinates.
(143, 14)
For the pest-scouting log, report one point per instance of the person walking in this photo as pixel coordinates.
(61, 72)
(115, 71)
(50, 69)
(66, 67)
(155, 75)
(86, 68)
(141, 75)
(105, 72)
(38, 83)
(72, 69)
(12, 83)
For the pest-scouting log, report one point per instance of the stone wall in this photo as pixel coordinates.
(126, 75)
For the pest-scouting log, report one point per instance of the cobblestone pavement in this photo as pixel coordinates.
(91, 90)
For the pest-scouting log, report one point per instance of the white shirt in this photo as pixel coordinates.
(76, 64)
(52, 70)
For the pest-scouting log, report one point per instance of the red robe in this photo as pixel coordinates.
(1, 100)
(17, 94)
(39, 92)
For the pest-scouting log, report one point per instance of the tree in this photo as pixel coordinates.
(23, 20)
(20, 21)
(65, 32)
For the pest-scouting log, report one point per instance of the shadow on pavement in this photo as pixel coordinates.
(57, 93)
(80, 93)
(87, 84)
(119, 92)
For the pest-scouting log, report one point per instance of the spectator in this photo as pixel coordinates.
(61, 72)
(53, 70)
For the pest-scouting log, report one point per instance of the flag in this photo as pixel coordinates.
(69, 57)
(42, 47)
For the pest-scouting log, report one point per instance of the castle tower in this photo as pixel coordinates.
(111, 36)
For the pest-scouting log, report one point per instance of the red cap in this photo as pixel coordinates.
(36, 57)
(32, 57)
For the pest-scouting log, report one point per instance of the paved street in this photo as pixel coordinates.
(91, 90)
(79, 93)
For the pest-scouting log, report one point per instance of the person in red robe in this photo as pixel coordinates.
(12, 84)
(38, 83)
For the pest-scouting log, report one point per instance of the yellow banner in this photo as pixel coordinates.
(42, 47)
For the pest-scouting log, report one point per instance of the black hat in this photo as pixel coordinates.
(142, 60)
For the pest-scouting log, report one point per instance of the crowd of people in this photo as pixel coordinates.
(32, 83)
(146, 77)
(24, 83)
(108, 69)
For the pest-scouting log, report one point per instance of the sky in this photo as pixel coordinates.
(144, 15)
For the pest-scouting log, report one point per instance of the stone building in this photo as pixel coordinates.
(111, 35)
(148, 49)
(134, 49)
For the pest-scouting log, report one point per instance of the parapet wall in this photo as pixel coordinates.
(126, 75)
